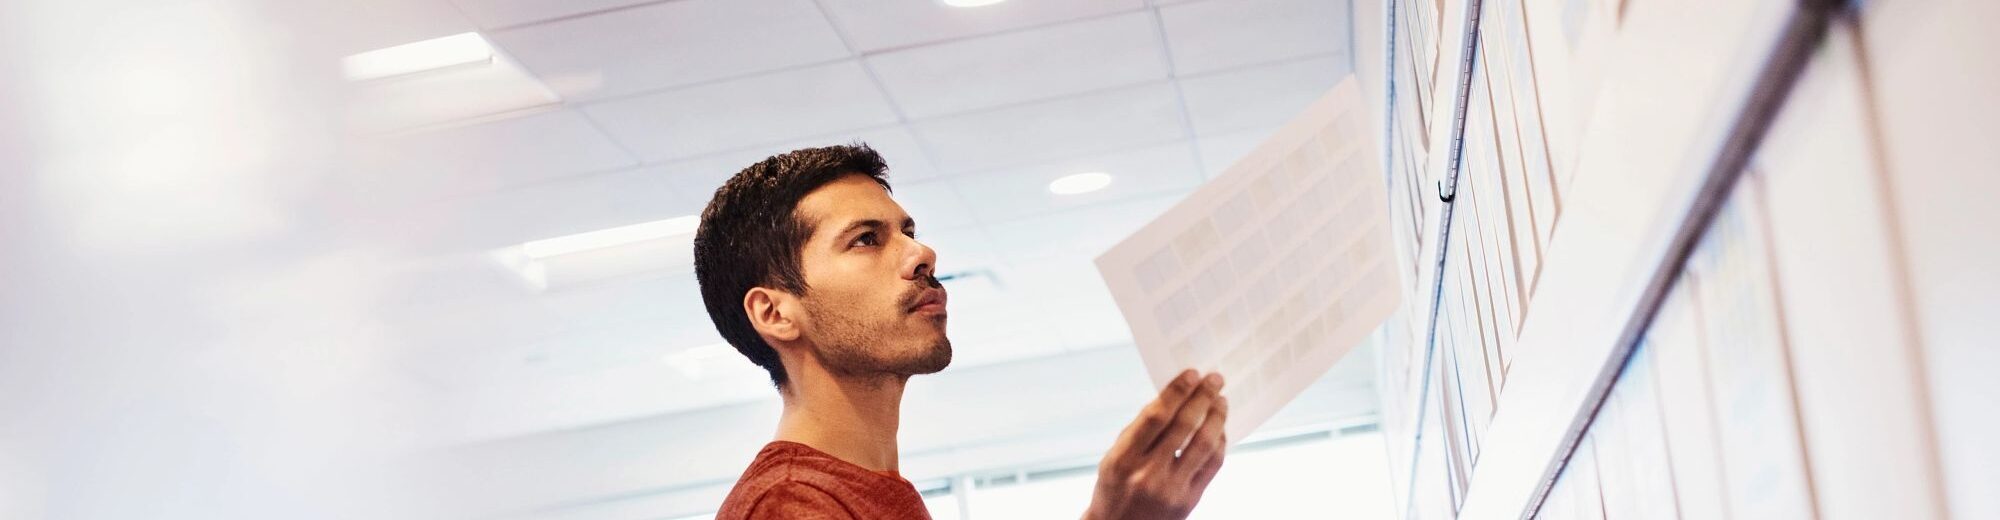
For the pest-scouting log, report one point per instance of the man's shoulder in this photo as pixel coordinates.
(777, 467)
(782, 462)
(789, 480)
(783, 483)
(782, 498)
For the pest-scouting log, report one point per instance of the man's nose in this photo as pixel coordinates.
(921, 263)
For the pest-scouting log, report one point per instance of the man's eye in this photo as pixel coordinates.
(866, 239)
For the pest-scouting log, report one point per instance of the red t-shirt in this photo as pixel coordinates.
(794, 481)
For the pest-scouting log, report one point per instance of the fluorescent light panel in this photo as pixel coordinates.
(410, 58)
(603, 238)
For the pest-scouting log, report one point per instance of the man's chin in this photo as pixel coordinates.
(934, 360)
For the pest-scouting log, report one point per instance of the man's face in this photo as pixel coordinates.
(873, 306)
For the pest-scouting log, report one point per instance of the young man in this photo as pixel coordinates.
(810, 270)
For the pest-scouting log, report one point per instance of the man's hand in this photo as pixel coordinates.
(1165, 458)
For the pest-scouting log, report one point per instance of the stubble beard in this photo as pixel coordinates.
(849, 347)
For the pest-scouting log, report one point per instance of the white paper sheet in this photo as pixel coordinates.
(1271, 272)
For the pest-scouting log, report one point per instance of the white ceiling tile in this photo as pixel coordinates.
(535, 402)
(1085, 231)
(1218, 152)
(1073, 296)
(565, 206)
(421, 289)
(934, 205)
(671, 43)
(695, 180)
(1042, 131)
(439, 304)
(356, 26)
(684, 188)
(443, 330)
(907, 160)
(959, 249)
(1259, 97)
(1218, 34)
(1000, 330)
(581, 203)
(443, 96)
(993, 321)
(1025, 65)
(874, 25)
(666, 306)
(1015, 193)
(494, 14)
(745, 113)
(483, 157)
(460, 350)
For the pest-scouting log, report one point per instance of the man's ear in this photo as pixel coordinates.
(774, 313)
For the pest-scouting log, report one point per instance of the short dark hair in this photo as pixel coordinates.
(751, 236)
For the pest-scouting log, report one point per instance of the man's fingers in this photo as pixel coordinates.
(1189, 416)
(1155, 417)
(1142, 475)
(1207, 441)
(1206, 473)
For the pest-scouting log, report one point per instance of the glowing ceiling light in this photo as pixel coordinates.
(618, 236)
(970, 3)
(410, 58)
(1080, 183)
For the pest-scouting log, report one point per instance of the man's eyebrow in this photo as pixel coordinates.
(859, 224)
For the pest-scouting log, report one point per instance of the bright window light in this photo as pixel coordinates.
(618, 236)
(970, 3)
(1080, 183)
(410, 58)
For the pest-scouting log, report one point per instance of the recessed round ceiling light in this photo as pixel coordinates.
(1080, 183)
(970, 3)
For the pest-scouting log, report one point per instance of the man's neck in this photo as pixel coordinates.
(852, 420)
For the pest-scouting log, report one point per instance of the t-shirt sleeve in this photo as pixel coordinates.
(798, 501)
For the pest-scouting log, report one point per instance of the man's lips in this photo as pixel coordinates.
(930, 300)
